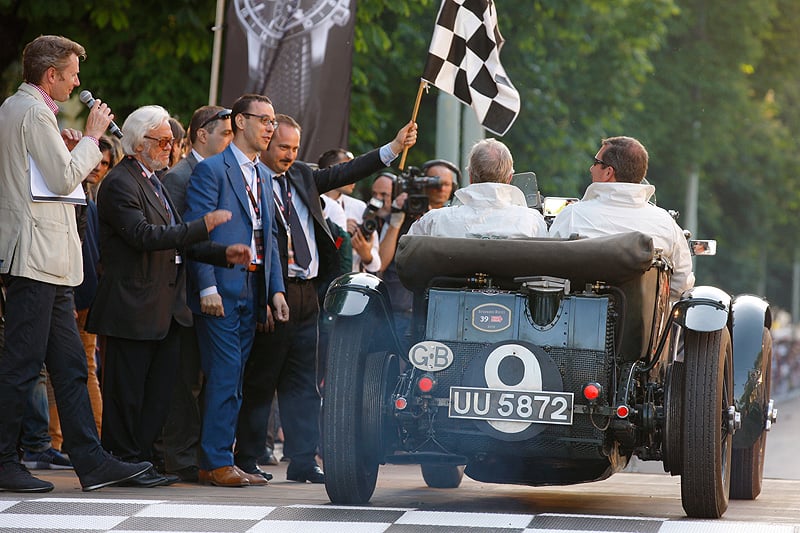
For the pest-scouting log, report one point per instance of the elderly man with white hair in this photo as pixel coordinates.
(140, 304)
(490, 207)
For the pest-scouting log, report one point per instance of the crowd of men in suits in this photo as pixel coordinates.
(213, 266)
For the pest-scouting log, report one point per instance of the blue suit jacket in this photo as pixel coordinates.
(218, 183)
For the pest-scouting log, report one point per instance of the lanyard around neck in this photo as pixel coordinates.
(250, 193)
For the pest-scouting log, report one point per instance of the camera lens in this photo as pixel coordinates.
(370, 225)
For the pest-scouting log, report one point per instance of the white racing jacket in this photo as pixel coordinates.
(610, 208)
(486, 211)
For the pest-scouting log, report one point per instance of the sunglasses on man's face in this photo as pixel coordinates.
(601, 162)
(163, 142)
(221, 115)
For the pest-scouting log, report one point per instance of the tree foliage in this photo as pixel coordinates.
(137, 52)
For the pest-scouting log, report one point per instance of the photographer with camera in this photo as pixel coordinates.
(403, 199)
(365, 239)
(490, 207)
(440, 192)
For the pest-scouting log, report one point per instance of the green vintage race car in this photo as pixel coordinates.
(546, 362)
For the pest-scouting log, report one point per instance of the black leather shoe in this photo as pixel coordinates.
(189, 473)
(314, 474)
(170, 479)
(268, 459)
(258, 472)
(150, 478)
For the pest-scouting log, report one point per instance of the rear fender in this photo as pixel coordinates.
(751, 366)
(357, 293)
(702, 308)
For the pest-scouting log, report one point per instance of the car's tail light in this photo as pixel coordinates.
(592, 391)
(426, 384)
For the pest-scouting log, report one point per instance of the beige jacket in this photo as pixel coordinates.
(39, 240)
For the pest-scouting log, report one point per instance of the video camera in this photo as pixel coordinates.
(369, 221)
(415, 184)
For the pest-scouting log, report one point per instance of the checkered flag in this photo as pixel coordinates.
(464, 60)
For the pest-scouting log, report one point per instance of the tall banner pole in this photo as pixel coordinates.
(422, 86)
(216, 52)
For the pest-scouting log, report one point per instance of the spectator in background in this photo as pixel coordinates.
(366, 257)
(178, 145)
(40, 263)
(308, 257)
(448, 175)
(143, 241)
(38, 452)
(95, 178)
(209, 133)
(490, 207)
(353, 207)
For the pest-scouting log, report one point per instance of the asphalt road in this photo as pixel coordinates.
(628, 501)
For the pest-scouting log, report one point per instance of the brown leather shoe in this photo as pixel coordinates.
(253, 479)
(224, 476)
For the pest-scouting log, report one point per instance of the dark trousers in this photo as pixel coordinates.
(286, 361)
(181, 434)
(41, 329)
(137, 389)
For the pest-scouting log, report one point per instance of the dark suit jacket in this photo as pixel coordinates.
(309, 185)
(141, 287)
(177, 180)
(217, 183)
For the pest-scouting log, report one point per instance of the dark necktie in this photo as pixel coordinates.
(156, 183)
(302, 255)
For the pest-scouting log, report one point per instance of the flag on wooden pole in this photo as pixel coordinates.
(464, 60)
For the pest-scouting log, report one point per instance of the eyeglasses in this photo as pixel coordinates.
(265, 120)
(601, 162)
(221, 115)
(163, 142)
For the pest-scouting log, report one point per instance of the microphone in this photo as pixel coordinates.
(87, 98)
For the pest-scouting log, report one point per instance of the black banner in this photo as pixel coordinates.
(299, 53)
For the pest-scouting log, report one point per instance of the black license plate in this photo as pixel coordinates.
(538, 407)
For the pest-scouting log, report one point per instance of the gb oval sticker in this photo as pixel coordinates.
(491, 317)
(430, 356)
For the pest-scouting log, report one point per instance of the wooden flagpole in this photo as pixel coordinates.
(216, 52)
(422, 86)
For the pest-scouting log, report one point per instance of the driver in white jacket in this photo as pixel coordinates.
(617, 201)
(489, 208)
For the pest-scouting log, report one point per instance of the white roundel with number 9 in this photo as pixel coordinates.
(531, 381)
